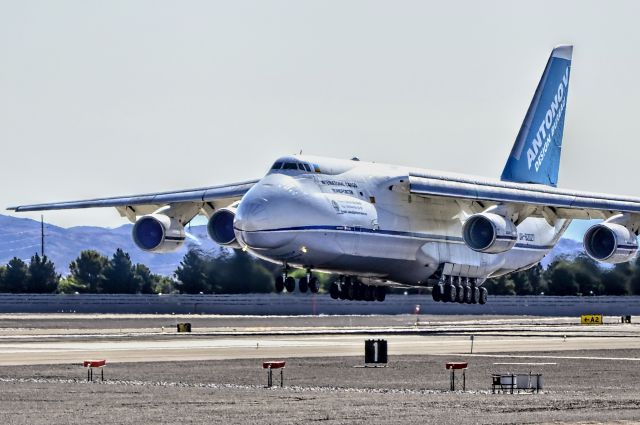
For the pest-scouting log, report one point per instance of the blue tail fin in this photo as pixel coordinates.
(535, 156)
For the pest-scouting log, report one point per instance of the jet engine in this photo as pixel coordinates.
(610, 242)
(220, 227)
(489, 232)
(158, 233)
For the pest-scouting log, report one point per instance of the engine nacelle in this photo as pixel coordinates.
(610, 243)
(158, 233)
(490, 233)
(220, 227)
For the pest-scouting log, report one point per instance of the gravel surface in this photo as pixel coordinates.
(411, 390)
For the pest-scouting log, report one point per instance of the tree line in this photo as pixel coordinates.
(94, 273)
(237, 272)
(579, 276)
(91, 272)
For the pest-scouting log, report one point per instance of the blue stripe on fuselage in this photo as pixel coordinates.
(424, 236)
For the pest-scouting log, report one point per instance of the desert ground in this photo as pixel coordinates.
(214, 375)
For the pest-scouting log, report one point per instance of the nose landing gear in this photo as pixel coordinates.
(279, 283)
(306, 283)
(303, 284)
(290, 284)
(314, 285)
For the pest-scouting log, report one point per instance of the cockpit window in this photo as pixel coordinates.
(291, 164)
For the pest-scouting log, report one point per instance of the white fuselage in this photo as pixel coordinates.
(359, 218)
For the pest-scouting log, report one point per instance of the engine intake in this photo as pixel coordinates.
(610, 243)
(220, 227)
(158, 233)
(489, 233)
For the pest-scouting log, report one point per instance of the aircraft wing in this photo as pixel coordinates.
(134, 205)
(540, 200)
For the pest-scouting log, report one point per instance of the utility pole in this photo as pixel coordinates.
(42, 234)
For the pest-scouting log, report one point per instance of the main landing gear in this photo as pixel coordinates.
(458, 289)
(307, 283)
(347, 288)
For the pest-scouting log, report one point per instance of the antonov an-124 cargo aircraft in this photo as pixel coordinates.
(390, 225)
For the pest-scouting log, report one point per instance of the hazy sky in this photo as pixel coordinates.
(101, 98)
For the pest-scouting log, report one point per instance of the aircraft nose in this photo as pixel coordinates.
(261, 215)
(252, 214)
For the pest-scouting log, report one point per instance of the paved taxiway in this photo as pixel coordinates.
(518, 336)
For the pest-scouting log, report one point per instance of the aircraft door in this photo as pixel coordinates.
(357, 239)
(349, 239)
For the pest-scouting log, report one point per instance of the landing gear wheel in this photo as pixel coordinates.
(351, 291)
(483, 296)
(343, 292)
(290, 284)
(450, 293)
(467, 294)
(436, 292)
(381, 293)
(303, 285)
(475, 295)
(370, 293)
(356, 292)
(362, 292)
(334, 291)
(460, 294)
(444, 297)
(279, 283)
(347, 288)
(313, 285)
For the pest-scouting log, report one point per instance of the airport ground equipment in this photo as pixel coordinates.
(93, 364)
(184, 327)
(274, 364)
(625, 319)
(512, 382)
(375, 352)
(453, 366)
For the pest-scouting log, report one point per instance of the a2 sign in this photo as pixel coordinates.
(591, 319)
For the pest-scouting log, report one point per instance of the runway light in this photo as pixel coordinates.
(304, 249)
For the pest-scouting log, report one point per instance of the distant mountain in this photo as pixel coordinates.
(20, 237)
(569, 248)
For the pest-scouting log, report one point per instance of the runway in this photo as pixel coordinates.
(519, 337)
